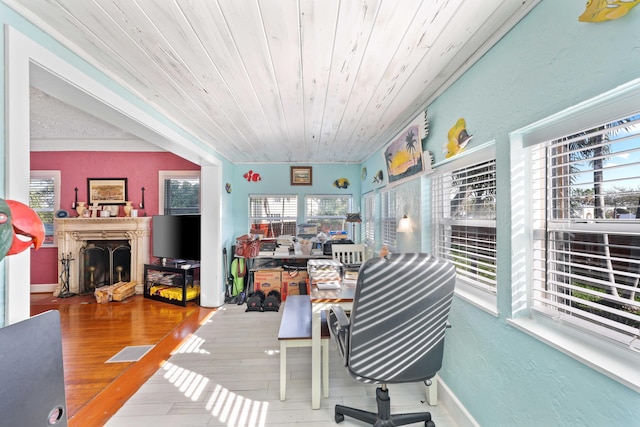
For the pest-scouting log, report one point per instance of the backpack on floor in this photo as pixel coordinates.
(272, 301)
(255, 301)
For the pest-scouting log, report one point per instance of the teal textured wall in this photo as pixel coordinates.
(275, 179)
(549, 62)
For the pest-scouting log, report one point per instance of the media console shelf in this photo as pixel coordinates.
(175, 285)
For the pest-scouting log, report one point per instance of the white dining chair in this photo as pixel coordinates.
(348, 255)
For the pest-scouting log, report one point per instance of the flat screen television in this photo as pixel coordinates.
(176, 237)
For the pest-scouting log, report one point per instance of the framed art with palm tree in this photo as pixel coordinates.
(403, 156)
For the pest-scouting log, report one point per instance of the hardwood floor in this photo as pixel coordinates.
(92, 333)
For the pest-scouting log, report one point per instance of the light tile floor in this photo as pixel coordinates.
(227, 374)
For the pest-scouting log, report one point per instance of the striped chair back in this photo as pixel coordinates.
(399, 318)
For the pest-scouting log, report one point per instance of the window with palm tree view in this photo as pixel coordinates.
(586, 224)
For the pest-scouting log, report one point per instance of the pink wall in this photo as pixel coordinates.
(140, 169)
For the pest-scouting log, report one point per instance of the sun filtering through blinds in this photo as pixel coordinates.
(586, 224)
(464, 216)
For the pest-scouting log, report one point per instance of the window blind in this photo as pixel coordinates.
(464, 212)
(586, 228)
(273, 215)
(389, 223)
(368, 220)
(44, 199)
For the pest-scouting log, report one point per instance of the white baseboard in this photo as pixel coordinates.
(458, 412)
(43, 288)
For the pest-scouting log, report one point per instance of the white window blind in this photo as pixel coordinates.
(465, 220)
(273, 215)
(388, 219)
(586, 228)
(44, 199)
(368, 220)
(328, 211)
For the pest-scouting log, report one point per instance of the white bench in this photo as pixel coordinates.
(295, 331)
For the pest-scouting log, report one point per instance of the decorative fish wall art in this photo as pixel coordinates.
(606, 10)
(341, 183)
(251, 176)
(458, 138)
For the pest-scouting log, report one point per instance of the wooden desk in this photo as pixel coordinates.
(322, 300)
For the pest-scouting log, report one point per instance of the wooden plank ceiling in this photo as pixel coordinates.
(322, 81)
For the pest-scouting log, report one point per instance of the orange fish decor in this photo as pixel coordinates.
(458, 138)
(606, 10)
(251, 176)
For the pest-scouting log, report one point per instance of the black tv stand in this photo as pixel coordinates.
(185, 264)
(173, 284)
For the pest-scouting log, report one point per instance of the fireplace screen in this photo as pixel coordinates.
(104, 262)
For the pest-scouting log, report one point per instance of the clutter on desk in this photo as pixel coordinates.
(305, 246)
(350, 277)
(332, 284)
(323, 270)
(338, 234)
(307, 231)
(247, 246)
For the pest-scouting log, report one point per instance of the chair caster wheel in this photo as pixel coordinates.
(340, 418)
(429, 424)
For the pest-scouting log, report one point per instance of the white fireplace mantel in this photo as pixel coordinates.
(73, 234)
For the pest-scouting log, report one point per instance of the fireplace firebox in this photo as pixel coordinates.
(103, 263)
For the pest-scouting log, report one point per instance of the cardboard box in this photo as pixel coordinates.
(291, 282)
(267, 280)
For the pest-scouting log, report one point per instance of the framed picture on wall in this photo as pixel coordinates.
(107, 191)
(301, 175)
(403, 156)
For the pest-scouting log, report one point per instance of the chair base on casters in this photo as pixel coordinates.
(383, 418)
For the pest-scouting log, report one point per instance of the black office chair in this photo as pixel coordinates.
(395, 332)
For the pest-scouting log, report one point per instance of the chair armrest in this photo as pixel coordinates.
(339, 326)
(341, 318)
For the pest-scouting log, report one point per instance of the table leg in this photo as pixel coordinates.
(316, 356)
(432, 392)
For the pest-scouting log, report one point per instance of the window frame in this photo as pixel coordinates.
(55, 176)
(282, 218)
(602, 354)
(484, 298)
(309, 219)
(164, 175)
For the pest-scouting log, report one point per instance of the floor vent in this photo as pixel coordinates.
(130, 354)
